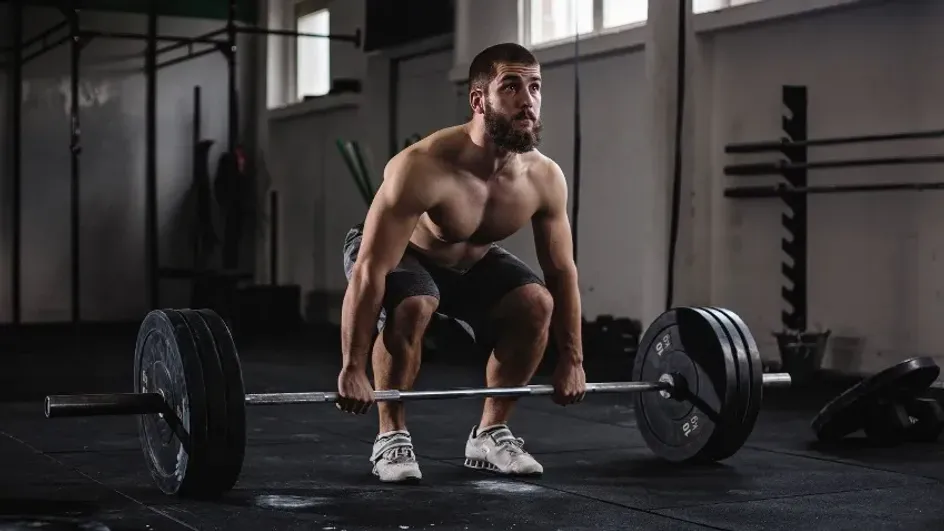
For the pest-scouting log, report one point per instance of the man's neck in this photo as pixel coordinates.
(485, 156)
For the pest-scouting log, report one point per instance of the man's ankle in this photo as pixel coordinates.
(387, 431)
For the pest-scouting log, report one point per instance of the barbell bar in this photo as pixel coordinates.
(58, 406)
(697, 379)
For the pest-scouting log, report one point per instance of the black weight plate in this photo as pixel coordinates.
(848, 411)
(732, 437)
(927, 419)
(685, 346)
(887, 423)
(754, 381)
(217, 418)
(235, 397)
(166, 362)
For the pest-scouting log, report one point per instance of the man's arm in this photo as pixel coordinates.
(555, 252)
(403, 196)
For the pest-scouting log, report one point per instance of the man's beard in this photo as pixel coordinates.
(503, 133)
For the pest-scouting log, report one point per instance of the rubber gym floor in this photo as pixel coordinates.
(306, 466)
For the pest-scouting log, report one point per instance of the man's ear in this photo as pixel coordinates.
(477, 101)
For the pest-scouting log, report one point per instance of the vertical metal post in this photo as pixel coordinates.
(232, 92)
(794, 242)
(75, 152)
(274, 238)
(575, 198)
(393, 114)
(151, 238)
(17, 144)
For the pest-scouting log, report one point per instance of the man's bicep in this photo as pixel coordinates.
(400, 201)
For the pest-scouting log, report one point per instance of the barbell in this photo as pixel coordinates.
(697, 378)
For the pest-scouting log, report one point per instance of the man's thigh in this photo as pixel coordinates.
(409, 278)
(475, 296)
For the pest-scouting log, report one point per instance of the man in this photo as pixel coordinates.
(428, 245)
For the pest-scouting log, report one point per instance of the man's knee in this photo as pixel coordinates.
(410, 320)
(530, 306)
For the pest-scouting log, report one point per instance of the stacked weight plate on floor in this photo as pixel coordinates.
(877, 402)
(711, 353)
(196, 447)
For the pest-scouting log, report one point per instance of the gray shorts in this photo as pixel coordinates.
(467, 296)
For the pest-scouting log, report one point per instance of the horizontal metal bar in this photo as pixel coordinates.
(49, 47)
(153, 403)
(355, 38)
(757, 192)
(143, 37)
(778, 379)
(781, 145)
(179, 45)
(780, 167)
(104, 404)
(396, 396)
(770, 380)
(36, 38)
(45, 33)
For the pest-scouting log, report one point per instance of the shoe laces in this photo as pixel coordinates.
(399, 454)
(396, 448)
(508, 442)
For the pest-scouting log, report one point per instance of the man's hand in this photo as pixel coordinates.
(355, 392)
(570, 382)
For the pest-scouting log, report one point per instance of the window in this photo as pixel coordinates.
(313, 55)
(624, 12)
(547, 21)
(553, 20)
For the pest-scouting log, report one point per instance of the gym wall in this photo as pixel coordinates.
(874, 259)
(869, 68)
(112, 165)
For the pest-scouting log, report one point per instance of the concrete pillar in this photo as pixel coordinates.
(662, 46)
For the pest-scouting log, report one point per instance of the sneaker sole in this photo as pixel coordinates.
(479, 464)
(412, 479)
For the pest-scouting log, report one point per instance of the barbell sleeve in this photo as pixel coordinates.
(104, 404)
(153, 403)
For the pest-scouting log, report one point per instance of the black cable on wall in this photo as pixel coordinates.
(575, 222)
(677, 172)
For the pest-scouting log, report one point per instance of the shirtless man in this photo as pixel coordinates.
(428, 245)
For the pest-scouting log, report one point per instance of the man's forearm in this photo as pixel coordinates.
(359, 311)
(566, 320)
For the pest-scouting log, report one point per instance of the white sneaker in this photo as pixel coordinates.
(393, 458)
(497, 450)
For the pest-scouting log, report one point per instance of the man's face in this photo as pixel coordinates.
(512, 108)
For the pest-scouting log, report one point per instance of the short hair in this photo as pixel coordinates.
(484, 67)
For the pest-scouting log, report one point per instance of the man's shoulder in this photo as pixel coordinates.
(431, 149)
(415, 170)
(543, 167)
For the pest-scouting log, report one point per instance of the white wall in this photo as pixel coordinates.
(873, 258)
